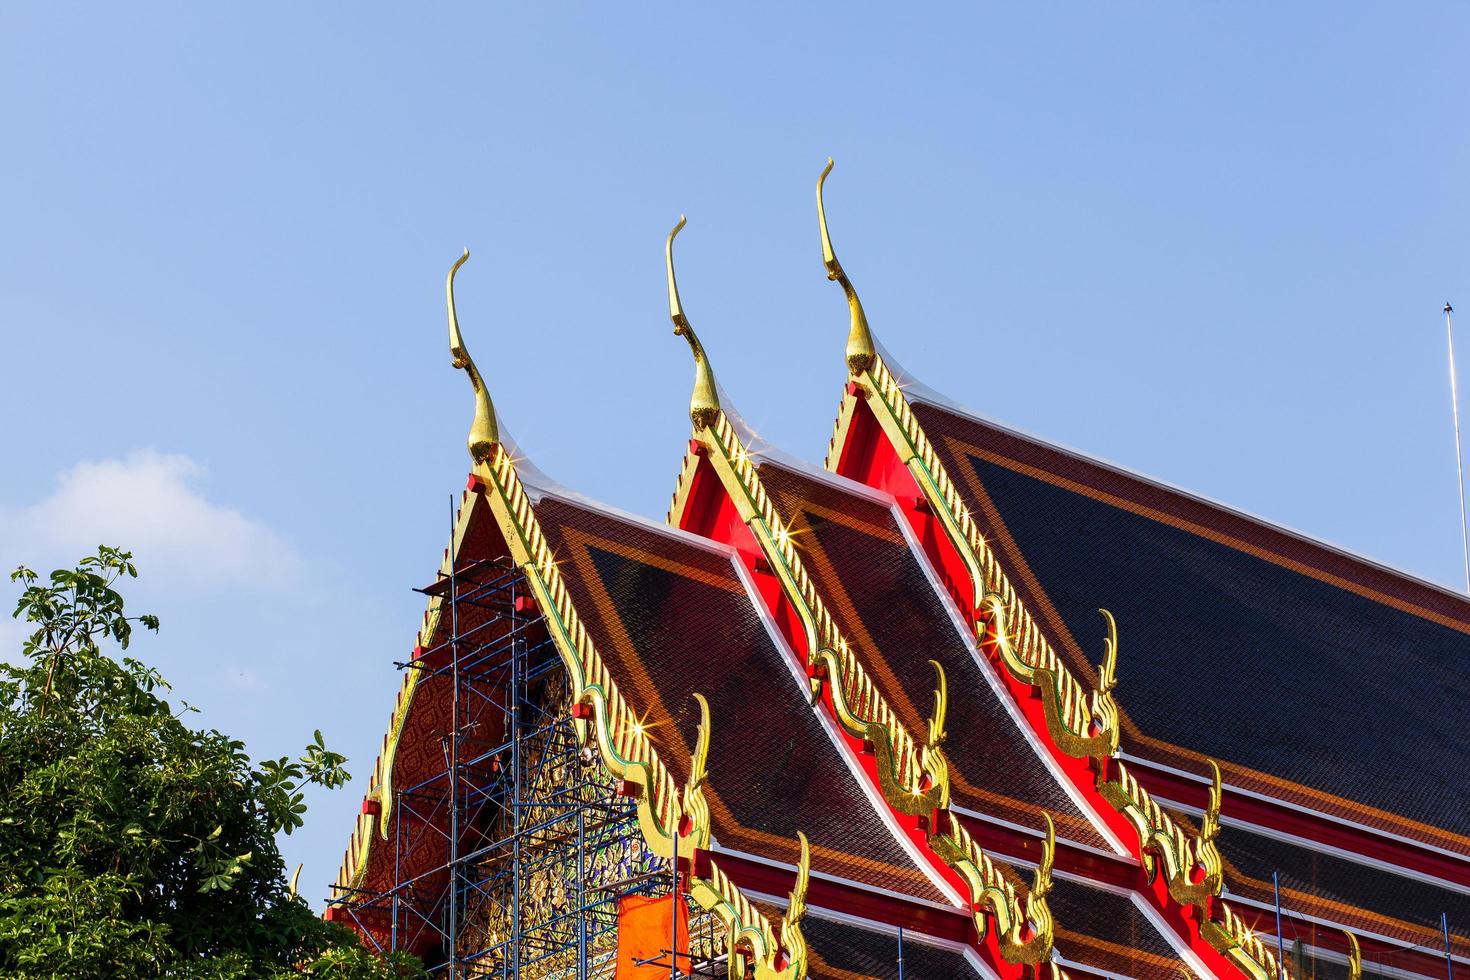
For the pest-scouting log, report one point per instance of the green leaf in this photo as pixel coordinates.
(159, 845)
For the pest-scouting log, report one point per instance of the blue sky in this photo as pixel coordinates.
(1207, 241)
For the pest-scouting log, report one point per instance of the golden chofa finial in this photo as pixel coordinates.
(484, 433)
(704, 404)
(860, 349)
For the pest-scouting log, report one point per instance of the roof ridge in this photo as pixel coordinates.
(916, 391)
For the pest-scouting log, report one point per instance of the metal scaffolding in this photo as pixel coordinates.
(512, 856)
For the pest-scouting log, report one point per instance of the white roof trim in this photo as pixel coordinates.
(917, 391)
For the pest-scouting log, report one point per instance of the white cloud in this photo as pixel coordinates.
(151, 504)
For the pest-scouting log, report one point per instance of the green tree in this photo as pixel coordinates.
(131, 844)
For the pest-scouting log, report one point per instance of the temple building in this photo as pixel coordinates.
(955, 703)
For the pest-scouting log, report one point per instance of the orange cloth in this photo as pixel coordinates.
(643, 934)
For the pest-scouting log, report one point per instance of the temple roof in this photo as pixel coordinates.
(901, 675)
(672, 617)
(1320, 886)
(720, 494)
(1222, 608)
(884, 600)
(1316, 688)
(844, 950)
(1350, 670)
(1107, 931)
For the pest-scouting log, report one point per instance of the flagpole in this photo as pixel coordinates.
(1449, 329)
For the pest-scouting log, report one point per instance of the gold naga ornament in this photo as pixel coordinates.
(674, 821)
(1083, 724)
(1024, 932)
(1091, 734)
(913, 777)
(751, 935)
(1191, 864)
(752, 944)
(1355, 957)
